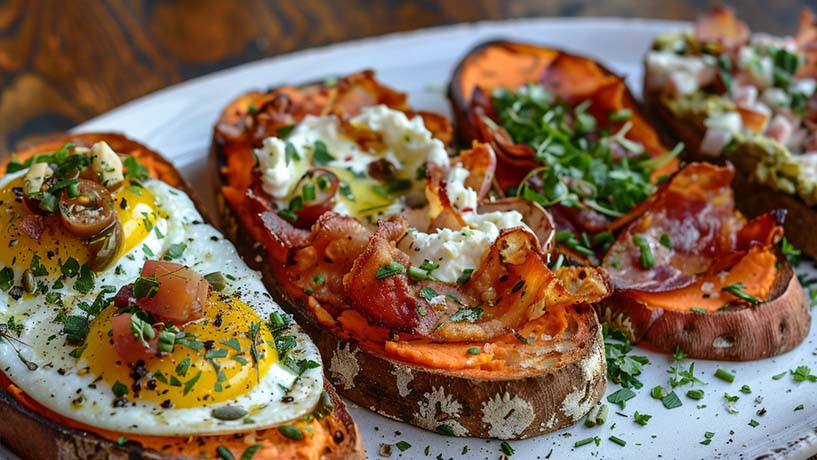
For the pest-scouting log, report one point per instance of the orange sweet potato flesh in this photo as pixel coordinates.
(272, 444)
(573, 78)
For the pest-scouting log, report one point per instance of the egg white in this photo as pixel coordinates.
(59, 379)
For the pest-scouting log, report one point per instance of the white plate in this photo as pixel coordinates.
(177, 121)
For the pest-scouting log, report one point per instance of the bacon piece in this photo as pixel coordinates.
(320, 261)
(388, 301)
(695, 209)
(181, 295)
(512, 285)
(723, 28)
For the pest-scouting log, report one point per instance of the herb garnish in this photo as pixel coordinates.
(580, 169)
(622, 368)
(737, 290)
(389, 270)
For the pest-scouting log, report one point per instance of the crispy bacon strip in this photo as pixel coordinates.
(512, 286)
(320, 262)
(386, 301)
(693, 213)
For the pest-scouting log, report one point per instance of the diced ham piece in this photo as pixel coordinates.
(780, 129)
(181, 296)
(130, 348)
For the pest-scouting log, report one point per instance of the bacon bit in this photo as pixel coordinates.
(32, 225)
(722, 27)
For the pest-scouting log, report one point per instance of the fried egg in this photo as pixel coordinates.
(225, 373)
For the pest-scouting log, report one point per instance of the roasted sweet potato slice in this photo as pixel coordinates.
(692, 273)
(574, 80)
(34, 431)
(375, 324)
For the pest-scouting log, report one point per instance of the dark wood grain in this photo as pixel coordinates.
(62, 62)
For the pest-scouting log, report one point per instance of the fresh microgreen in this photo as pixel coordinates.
(579, 167)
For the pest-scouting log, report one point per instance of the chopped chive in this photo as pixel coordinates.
(618, 441)
(308, 192)
(583, 442)
(224, 453)
(724, 375)
(695, 394)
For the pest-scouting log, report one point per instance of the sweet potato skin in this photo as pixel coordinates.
(34, 436)
(767, 329)
(452, 402)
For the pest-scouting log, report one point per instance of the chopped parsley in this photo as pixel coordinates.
(641, 419)
(428, 293)
(803, 374)
(175, 251)
(622, 368)
(321, 155)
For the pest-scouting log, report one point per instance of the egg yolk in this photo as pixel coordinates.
(135, 208)
(220, 365)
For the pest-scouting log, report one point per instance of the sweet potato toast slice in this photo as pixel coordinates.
(538, 385)
(770, 141)
(574, 80)
(653, 300)
(34, 432)
(715, 286)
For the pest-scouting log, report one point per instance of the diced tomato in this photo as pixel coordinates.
(129, 348)
(181, 296)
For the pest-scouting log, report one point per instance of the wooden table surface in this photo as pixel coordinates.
(63, 62)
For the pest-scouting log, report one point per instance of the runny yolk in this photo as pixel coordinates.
(222, 370)
(56, 245)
